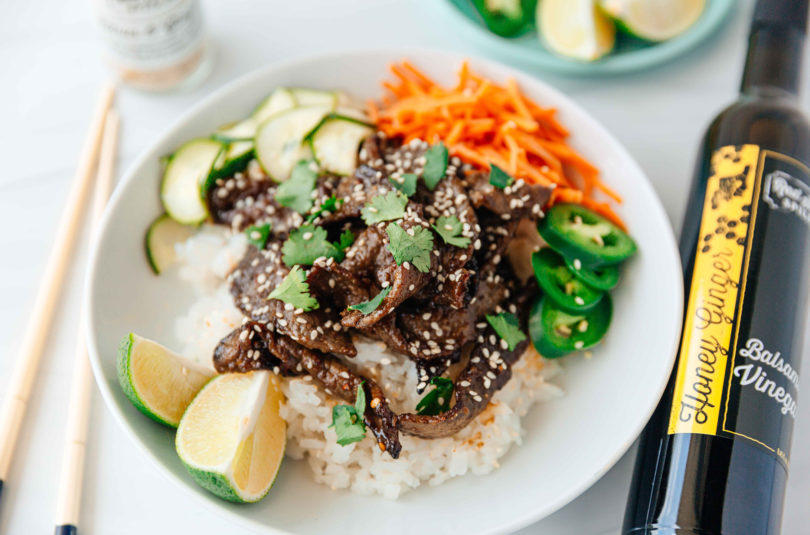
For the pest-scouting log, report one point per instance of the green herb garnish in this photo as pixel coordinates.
(498, 177)
(367, 307)
(506, 325)
(345, 241)
(329, 206)
(408, 184)
(306, 244)
(348, 420)
(294, 290)
(436, 158)
(449, 228)
(296, 191)
(437, 400)
(413, 245)
(385, 207)
(258, 235)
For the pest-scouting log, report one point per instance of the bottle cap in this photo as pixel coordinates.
(789, 13)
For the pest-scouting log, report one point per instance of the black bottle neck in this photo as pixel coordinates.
(774, 61)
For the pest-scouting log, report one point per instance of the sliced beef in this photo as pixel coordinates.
(340, 380)
(256, 276)
(246, 348)
(330, 281)
(249, 198)
(356, 190)
(487, 371)
(369, 256)
(518, 201)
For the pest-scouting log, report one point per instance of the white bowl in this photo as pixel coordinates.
(570, 442)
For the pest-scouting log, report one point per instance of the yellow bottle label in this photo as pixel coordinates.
(716, 286)
(736, 375)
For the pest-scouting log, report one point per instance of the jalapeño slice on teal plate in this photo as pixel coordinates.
(556, 333)
(576, 232)
(561, 285)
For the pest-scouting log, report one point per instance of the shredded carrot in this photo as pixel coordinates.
(485, 124)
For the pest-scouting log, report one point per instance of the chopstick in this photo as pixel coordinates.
(70, 481)
(39, 325)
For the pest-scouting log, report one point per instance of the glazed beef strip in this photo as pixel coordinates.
(370, 256)
(249, 198)
(256, 346)
(488, 370)
(518, 201)
(255, 277)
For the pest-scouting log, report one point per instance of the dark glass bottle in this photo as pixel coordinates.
(714, 457)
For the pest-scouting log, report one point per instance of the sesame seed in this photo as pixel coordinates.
(579, 344)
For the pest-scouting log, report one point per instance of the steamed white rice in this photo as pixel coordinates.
(205, 261)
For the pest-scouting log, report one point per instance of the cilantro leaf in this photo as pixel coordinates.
(437, 400)
(296, 191)
(348, 420)
(305, 244)
(348, 427)
(345, 241)
(360, 401)
(327, 207)
(449, 228)
(294, 290)
(258, 235)
(436, 158)
(385, 207)
(405, 183)
(367, 307)
(498, 177)
(506, 325)
(413, 246)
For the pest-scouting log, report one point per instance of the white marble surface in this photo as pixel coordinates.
(51, 72)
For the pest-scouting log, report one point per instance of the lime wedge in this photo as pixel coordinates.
(231, 439)
(654, 20)
(575, 29)
(158, 382)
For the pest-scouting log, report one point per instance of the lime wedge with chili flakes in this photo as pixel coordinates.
(232, 438)
(158, 382)
(654, 20)
(576, 29)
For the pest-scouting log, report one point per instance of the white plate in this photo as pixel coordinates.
(570, 441)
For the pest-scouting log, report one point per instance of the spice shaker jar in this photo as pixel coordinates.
(155, 45)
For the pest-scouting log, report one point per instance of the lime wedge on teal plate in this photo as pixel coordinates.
(576, 29)
(629, 54)
(654, 20)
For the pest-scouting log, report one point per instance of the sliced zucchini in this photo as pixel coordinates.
(185, 177)
(232, 160)
(280, 139)
(336, 141)
(241, 131)
(279, 100)
(314, 97)
(161, 237)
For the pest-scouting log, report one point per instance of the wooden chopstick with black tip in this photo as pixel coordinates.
(18, 389)
(70, 482)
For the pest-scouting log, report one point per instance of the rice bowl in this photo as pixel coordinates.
(580, 378)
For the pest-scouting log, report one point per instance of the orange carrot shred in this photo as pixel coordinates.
(484, 123)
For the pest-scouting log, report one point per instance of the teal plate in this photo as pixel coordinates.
(629, 55)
